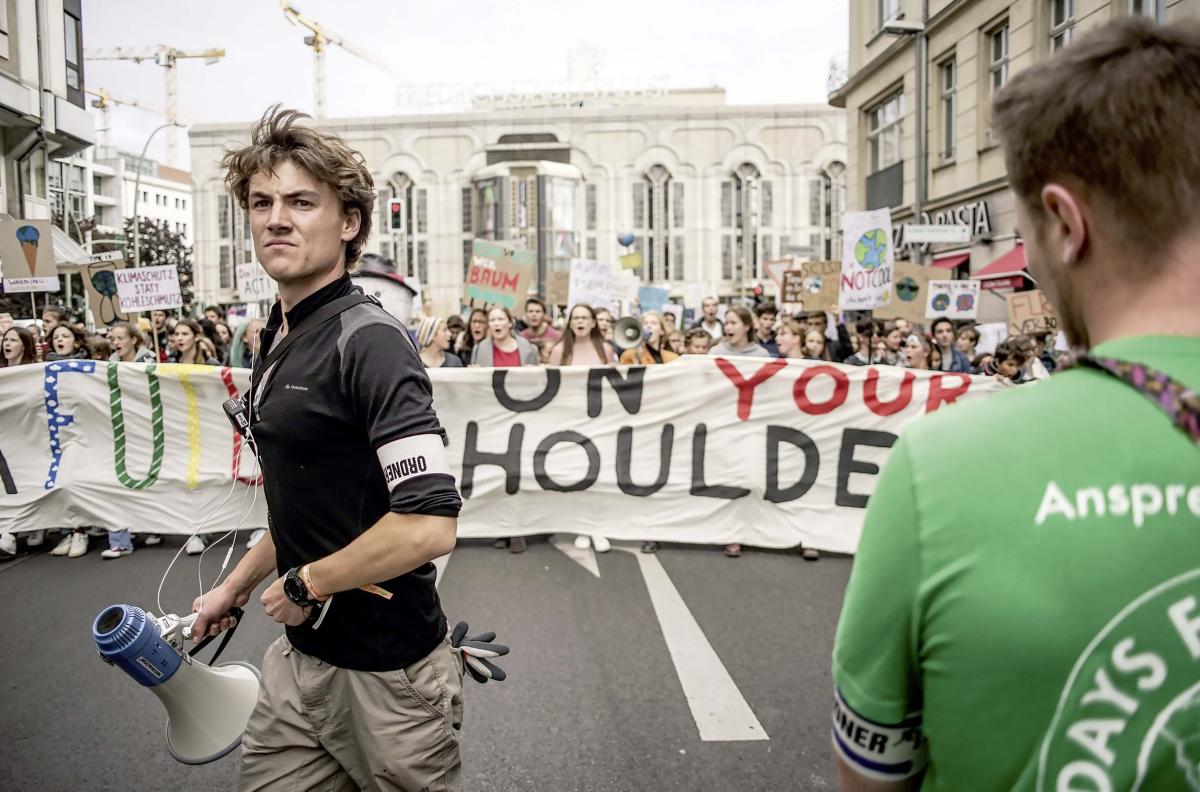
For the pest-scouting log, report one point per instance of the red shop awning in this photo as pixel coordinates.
(950, 262)
(1011, 263)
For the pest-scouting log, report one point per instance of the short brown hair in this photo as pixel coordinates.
(278, 136)
(1111, 114)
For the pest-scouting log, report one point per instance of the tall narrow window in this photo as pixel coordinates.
(677, 205)
(948, 76)
(73, 54)
(1062, 23)
(886, 10)
(998, 57)
(748, 208)
(1146, 8)
(885, 132)
(591, 208)
(4, 53)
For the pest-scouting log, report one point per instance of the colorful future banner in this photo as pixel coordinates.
(780, 451)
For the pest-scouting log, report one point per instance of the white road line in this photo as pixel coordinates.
(441, 563)
(718, 707)
(585, 558)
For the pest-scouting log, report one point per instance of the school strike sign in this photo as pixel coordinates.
(705, 449)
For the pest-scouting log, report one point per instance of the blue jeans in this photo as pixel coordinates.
(120, 540)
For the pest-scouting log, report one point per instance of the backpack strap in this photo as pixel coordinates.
(1180, 404)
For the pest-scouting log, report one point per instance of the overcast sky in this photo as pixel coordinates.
(764, 51)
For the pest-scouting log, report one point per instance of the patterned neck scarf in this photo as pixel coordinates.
(1180, 404)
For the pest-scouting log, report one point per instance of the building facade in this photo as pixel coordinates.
(936, 160)
(42, 111)
(709, 191)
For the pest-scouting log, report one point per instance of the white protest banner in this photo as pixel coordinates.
(593, 283)
(254, 283)
(783, 451)
(148, 288)
(27, 256)
(867, 260)
(953, 299)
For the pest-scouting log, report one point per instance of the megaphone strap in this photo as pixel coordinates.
(237, 614)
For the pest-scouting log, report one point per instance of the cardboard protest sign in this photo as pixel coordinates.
(27, 256)
(910, 291)
(73, 460)
(593, 283)
(498, 275)
(652, 298)
(820, 285)
(867, 260)
(254, 283)
(1030, 312)
(100, 285)
(558, 287)
(149, 288)
(953, 299)
(792, 291)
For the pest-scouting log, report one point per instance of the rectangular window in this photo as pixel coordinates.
(885, 132)
(422, 213)
(1062, 23)
(998, 57)
(886, 10)
(97, 189)
(466, 210)
(948, 76)
(224, 226)
(768, 204)
(423, 261)
(590, 207)
(225, 268)
(677, 258)
(639, 205)
(183, 203)
(1146, 8)
(591, 248)
(727, 204)
(4, 53)
(185, 229)
(73, 50)
(727, 257)
(677, 215)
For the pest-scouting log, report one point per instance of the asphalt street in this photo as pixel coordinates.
(598, 696)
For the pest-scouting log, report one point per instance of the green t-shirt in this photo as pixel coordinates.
(1025, 601)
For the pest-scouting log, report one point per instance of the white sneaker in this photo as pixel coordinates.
(79, 545)
(255, 538)
(116, 552)
(63, 547)
(582, 542)
(195, 546)
(601, 544)
(35, 539)
(8, 543)
(153, 539)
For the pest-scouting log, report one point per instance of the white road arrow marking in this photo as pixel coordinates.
(441, 563)
(586, 558)
(718, 707)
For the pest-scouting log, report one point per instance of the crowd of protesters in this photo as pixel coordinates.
(582, 336)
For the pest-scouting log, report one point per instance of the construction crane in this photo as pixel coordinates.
(166, 57)
(320, 37)
(104, 102)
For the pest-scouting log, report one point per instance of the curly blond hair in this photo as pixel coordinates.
(278, 136)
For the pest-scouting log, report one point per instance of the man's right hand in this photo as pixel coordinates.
(214, 616)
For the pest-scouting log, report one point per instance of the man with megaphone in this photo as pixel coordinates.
(365, 689)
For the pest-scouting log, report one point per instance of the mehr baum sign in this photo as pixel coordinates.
(785, 452)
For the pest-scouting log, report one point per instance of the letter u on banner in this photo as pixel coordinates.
(118, 427)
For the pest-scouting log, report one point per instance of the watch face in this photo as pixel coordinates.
(293, 587)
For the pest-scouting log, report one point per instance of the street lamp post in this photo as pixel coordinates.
(917, 29)
(137, 194)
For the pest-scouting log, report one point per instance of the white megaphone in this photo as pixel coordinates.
(207, 706)
(627, 334)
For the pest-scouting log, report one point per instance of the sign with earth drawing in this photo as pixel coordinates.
(100, 285)
(910, 290)
(819, 285)
(953, 299)
(867, 260)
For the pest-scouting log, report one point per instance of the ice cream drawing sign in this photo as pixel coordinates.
(27, 256)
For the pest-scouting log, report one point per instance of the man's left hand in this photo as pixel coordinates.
(282, 609)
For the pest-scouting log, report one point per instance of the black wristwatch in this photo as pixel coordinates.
(296, 591)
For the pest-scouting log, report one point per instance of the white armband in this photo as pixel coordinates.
(876, 750)
(410, 457)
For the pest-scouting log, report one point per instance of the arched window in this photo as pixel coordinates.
(747, 219)
(658, 222)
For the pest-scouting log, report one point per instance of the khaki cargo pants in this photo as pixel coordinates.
(320, 727)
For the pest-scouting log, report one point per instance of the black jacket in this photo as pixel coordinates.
(346, 432)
